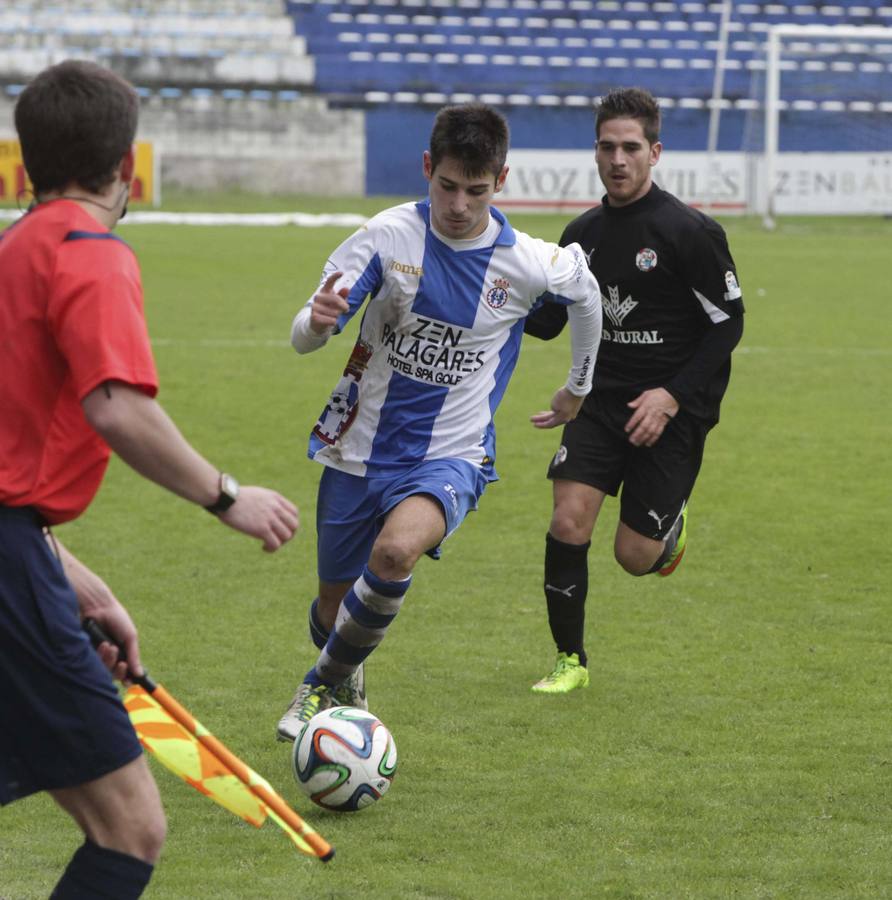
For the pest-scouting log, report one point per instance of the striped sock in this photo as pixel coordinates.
(366, 611)
(318, 632)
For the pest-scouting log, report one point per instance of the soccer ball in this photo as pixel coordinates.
(344, 758)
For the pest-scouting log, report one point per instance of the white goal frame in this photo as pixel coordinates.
(776, 34)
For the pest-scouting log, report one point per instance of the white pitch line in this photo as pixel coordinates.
(818, 351)
(220, 342)
(535, 346)
(265, 220)
(539, 346)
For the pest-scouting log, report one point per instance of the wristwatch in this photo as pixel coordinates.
(228, 495)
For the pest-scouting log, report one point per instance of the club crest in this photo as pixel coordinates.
(733, 292)
(646, 259)
(497, 296)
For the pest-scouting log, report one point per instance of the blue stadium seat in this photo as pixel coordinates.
(550, 48)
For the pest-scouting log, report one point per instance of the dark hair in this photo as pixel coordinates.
(76, 121)
(474, 134)
(631, 103)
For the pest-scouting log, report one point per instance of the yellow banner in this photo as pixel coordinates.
(14, 180)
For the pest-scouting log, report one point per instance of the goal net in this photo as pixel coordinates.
(824, 132)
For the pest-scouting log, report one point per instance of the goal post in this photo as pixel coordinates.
(844, 72)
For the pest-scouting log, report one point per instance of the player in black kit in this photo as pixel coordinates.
(673, 313)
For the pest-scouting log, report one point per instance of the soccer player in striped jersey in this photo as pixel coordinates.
(407, 436)
(674, 313)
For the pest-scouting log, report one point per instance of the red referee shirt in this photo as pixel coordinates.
(71, 317)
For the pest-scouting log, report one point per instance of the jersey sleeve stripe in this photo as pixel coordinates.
(367, 283)
(714, 313)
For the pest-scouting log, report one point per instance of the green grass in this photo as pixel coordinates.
(734, 741)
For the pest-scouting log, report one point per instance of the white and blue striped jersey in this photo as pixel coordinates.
(439, 338)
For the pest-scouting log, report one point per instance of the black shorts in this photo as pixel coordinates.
(656, 481)
(62, 722)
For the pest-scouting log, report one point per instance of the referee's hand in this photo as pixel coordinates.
(115, 621)
(564, 408)
(265, 515)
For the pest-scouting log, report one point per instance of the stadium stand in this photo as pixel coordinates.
(229, 83)
(226, 85)
(545, 51)
(182, 42)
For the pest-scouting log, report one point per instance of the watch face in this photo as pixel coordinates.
(229, 486)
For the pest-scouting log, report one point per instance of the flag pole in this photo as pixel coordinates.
(254, 782)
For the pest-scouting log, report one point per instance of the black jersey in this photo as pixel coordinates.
(667, 278)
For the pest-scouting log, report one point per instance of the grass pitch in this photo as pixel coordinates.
(735, 739)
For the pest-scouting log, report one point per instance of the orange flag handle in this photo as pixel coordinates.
(246, 775)
(257, 785)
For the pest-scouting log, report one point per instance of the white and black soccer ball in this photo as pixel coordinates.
(344, 758)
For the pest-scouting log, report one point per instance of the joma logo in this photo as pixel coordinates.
(405, 267)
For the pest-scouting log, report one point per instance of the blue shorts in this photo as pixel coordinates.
(62, 722)
(350, 510)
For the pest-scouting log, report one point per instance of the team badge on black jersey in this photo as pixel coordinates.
(497, 296)
(646, 259)
(733, 292)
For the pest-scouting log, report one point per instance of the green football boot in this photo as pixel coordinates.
(568, 675)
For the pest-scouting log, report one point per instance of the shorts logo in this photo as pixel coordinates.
(453, 494)
(560, 456)
(646, 259)
(657, 518)
(497, 296)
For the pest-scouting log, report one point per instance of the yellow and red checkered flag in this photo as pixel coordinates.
(182, 744)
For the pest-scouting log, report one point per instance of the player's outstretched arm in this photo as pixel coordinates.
(146, 438)
(96, 601)
(564, 408)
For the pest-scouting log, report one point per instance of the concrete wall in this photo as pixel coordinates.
(238, 117)
(270, 145)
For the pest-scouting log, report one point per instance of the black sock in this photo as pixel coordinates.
(318, 632)
(97, 873)
(566, 586)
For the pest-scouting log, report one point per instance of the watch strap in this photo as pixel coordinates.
(224, 500)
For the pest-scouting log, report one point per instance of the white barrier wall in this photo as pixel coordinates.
(805, 183)
(266, 145)
(301, 146)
